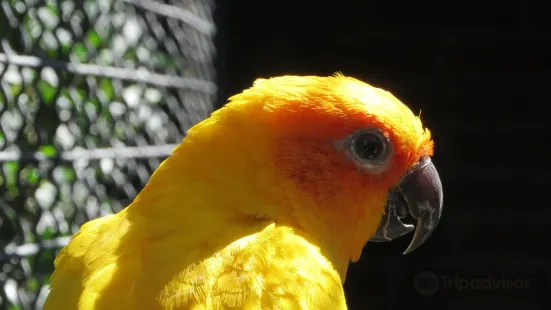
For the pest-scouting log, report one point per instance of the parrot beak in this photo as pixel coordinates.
(418, 195)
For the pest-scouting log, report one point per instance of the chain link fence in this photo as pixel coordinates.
(93, 95)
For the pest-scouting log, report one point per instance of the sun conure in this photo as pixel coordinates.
(262, 206)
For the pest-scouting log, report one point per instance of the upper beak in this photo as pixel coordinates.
(418, 195)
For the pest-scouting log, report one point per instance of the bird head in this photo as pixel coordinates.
(333, 157)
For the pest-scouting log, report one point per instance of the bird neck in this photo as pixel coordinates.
(207, 195)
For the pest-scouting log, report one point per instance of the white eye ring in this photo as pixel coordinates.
(369, 148)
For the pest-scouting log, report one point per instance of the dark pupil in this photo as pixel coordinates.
(368, 146)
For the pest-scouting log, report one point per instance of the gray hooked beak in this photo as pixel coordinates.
(418, 195)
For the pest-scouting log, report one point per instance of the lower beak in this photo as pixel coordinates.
(418, 195)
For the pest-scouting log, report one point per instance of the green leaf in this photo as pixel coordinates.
(16, 89)
(130, 54)
(30, 176)
(48, 150)
(52, 52)
(47, 91)
(107, 88)
(34, 176)
(10, 170)
(30, 237)
(52, 7)
(48, 234)
(93, 38)
(80, 51)
(68, 174)
(32, 284)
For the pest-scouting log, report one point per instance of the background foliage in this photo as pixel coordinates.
(93, 95)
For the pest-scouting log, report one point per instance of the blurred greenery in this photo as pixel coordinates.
(50, 111)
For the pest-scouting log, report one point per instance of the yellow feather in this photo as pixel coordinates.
(272, 269)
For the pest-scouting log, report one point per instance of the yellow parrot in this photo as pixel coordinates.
(262, 206)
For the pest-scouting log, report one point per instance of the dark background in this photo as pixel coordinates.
(480, 72)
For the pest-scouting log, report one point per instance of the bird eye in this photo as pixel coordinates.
(369, 147)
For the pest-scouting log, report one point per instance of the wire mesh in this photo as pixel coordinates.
(93, 95)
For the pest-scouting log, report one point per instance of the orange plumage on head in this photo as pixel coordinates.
(304, 118)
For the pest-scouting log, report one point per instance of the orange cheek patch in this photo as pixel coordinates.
(318, 171)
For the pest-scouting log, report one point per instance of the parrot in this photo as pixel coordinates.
(263, 205)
